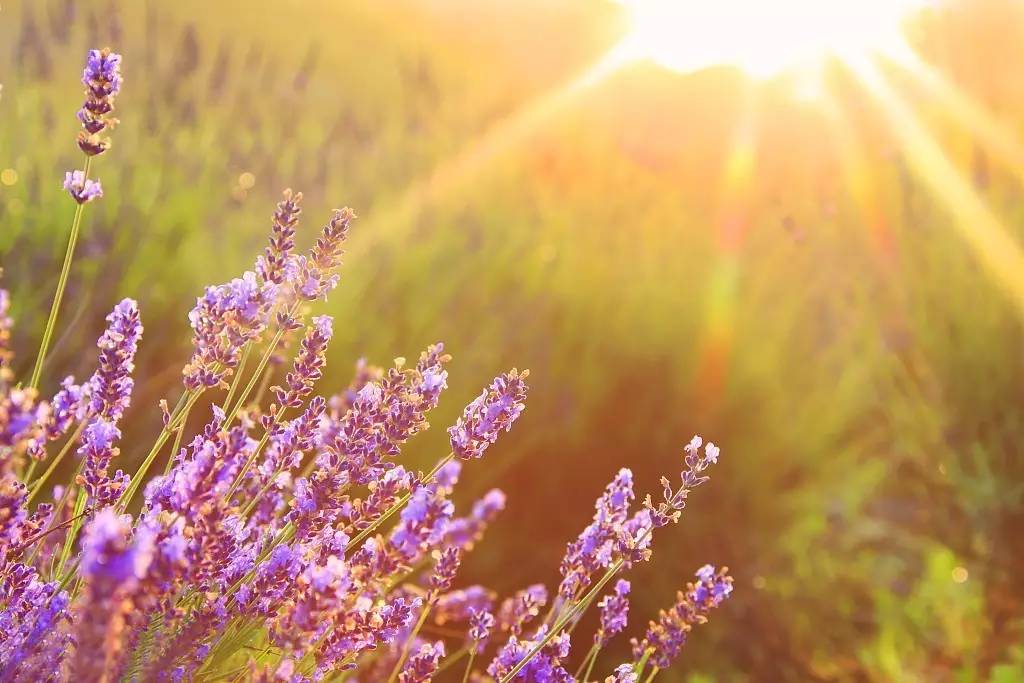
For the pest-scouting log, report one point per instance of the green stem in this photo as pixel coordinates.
(408, 641)
(654, 672)
(264, 383)
(240, 477)
(354, 543)
(259, 494)
(451, 660)
(165, 433)
(238, 376)
(177, 441)
(564, 619)
(639, 668)
(469, 666)
(589, 659)
(69, 542)
(62, 282)
(259, 368)
(50, 525)
(37, 486)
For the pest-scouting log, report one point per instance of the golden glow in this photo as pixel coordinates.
(761, 37)
(991, 243)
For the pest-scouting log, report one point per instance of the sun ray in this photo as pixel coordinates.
(479, 151)
(731, 223)
(994, 135)
(860, 180)
(994, 248)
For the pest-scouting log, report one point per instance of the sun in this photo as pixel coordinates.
(762, 37)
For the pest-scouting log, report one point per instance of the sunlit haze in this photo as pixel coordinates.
(761, 37)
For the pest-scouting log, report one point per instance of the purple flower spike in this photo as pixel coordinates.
(111, 385)
(315, 275)
(666, 637)
(272, 265)
(112, 566)
(614, 612)
(422, 666)
(102, 81)
(544, 666)
(110, 391)
(33, 639)
(481, 623)
(497, 408)
(81, 189)
(223, 320)
(521, 608)
(690, 478)
(598, 545)
(448, 561)
(309, 363)
(461, 604)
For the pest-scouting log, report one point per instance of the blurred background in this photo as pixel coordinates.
(676, 221)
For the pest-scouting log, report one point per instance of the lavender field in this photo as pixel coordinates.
(251, 253)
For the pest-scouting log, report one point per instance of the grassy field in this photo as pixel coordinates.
(667, 253)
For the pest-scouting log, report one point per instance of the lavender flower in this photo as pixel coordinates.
(598, 543)
(98, 449)
(445, 568)
(517, 611)
(481, 623)
(614, 612)
(272, 265)
(67, 405)
(465, 532)
(33, 626)
(110, 387)
(111, 567)
(495, 409)
(223, 320)
(459, 605)
(422, 666)
(364, 628)
(314, 275)
(423, 523)
(623, 674)
(275, 578)
(82, 189)
(102, 80)
(544, 666)
(22, 422)
(666, 637)
(691, 478)
(309, 364)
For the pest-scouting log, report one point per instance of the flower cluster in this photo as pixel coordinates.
(492, 411)
(102, 81)
(666, 637)
(291, 547)
(82, 189)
